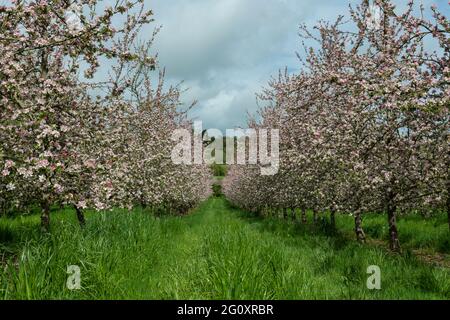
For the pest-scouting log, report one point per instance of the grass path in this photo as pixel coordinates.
(217, 252)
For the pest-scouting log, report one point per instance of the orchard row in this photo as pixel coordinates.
(364, 127)
(74, 133)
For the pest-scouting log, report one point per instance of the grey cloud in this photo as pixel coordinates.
(226, 50)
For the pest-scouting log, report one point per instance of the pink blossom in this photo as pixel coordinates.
(42, 164)
(9, 164)
(90, 163)
(58, 188)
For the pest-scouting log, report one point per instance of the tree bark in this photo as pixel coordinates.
(80, 216)
(448, 203)
(304, 221)
(448, 215)
(333, 219)
(448, 189)
(45, 216)
(448, 212)
(360, 235)
(393, 231)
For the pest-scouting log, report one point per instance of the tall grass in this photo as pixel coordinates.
(416, 232)
(219, 170)
(218, 252)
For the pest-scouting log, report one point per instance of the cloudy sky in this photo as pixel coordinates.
(226, 50)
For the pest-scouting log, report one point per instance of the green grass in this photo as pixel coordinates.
(415, 232)
(219, 170)
(218, 252)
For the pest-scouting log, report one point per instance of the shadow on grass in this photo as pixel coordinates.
(287, 229)
(415, 237)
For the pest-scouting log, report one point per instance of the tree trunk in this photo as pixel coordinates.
(304, 221)
(393, 231)
(448, 190)
(285, 213)
(333, 219)
(448, 216)
(448, 212)
(448, 203)
(45, 216)
(360, 235)
(80, 216)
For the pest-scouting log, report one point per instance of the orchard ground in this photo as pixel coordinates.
(219, 252)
